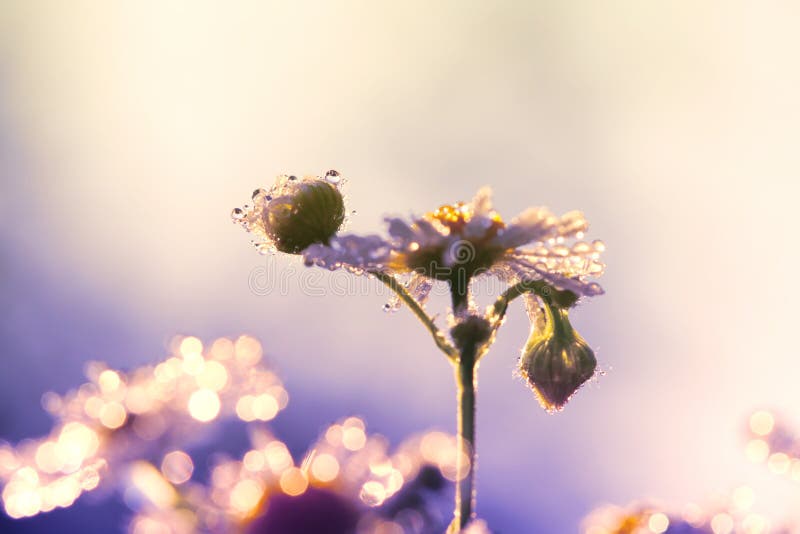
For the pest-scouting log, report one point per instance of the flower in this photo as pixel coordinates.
(294, 213)
(722, 513)
(108, 424)
(458, 242)
(130, 433)
(556, 361)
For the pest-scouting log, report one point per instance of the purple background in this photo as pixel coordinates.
(129, 131)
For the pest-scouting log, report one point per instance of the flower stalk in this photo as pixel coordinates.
(438, 338)
(466, 382)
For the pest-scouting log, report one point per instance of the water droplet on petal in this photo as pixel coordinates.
(581, 248)
(258, 192)
(333, 177)
(594, 289)
(598, 245)
(596, 268)
(237, 214)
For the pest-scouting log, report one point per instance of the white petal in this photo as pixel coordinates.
(482, 202)
(357, 253)
(400, 229)
(477, 227)
(533, 224)
(428, 233)
(420, 287)
(571, 224)
(577, 286)
(523, 269)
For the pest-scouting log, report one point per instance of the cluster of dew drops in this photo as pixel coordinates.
(250, 217)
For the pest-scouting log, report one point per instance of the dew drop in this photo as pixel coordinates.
(293, 178)
(258, 192)
(596, 268)
(581, 247)
(541, 251)
(268, 198)
(333, 177)
(237, 214)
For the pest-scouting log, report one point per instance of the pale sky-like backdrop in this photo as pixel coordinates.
(128, 131)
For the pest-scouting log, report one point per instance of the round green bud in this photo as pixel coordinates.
(556, 361)
(312, 211)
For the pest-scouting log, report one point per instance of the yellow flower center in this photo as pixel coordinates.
(456, 216)
(454, 261)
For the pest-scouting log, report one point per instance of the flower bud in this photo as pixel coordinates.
(295, 213)
(310, 214)
(556, 361)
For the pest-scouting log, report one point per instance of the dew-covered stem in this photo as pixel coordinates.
(459, 291)
(562, 299)
(526, 286)
(439, 338)
(466, 384)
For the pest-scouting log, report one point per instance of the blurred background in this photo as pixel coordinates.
(128, 131)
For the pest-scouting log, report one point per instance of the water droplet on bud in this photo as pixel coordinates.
(333, 177)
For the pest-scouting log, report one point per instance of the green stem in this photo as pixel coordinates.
(441, 342)
(466, 382)
(558, 321)
(459, 292)
(500, 307)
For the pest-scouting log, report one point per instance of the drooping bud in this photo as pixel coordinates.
(295, 213)
(556, 361)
